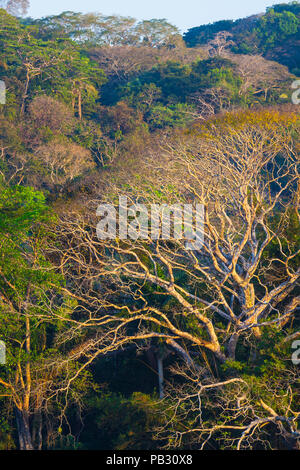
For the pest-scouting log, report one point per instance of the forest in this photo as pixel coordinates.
(145, 344)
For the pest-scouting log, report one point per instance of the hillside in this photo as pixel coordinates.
(149, 232)
(274, 34)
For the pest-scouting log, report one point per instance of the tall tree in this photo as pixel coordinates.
(33, 314)
(245, 175)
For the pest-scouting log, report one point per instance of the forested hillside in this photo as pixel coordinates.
(274, 34)
(145, 344)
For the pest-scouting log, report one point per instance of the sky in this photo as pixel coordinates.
(183, 13)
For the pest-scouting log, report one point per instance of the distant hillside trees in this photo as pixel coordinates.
(15, 7)
(95, 29)
(273, 34)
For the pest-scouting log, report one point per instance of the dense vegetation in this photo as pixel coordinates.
(275, 34)
(119, 344)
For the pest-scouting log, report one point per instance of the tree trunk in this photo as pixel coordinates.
(37, 425)
(25, 440)
(249, 294)
(25, 93)
(160, 371)
(232, 344)
(80, 105)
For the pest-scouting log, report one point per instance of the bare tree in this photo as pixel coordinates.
(27, 380)
(64, 160)
(221, 43)
(48, 112)
(15, 7)
(246, 177)
(242, 422)
(243, 168)
(122, 62)
(212, 101)
(259, 75)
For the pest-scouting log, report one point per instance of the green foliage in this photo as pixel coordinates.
(6, 435)
(178, 115)
(55, 66)
(121, 423)
(274, 34)
(275, 27)
(164, 93)
(94, 29)
(20, 208)
(202, 34)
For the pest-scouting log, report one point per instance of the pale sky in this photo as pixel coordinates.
(183, 13)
